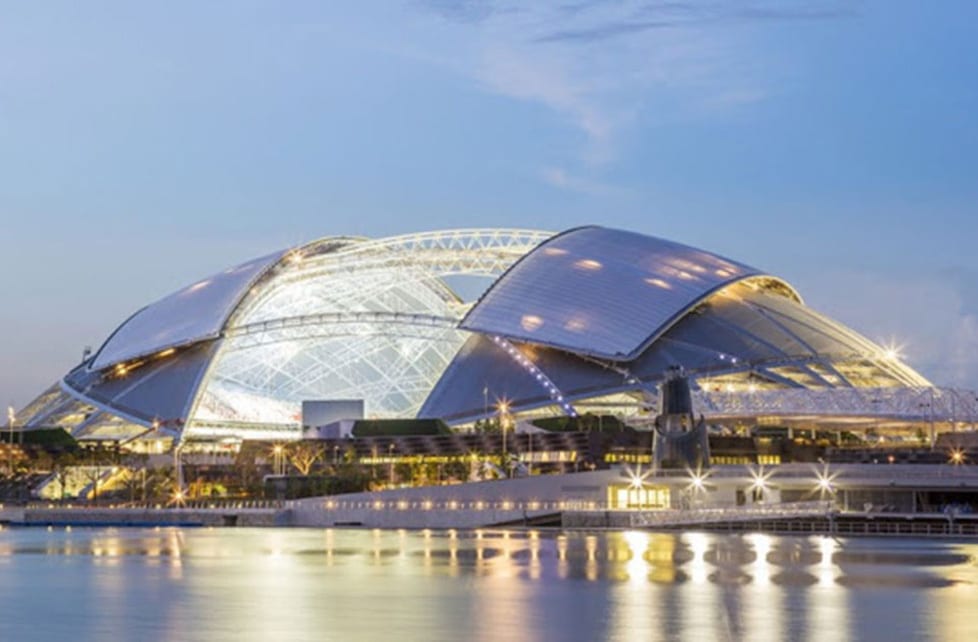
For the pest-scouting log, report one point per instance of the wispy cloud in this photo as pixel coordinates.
(562, 179)
(599, 65)
(467, 11)
(635, 18)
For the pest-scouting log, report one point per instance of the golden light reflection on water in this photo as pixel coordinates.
(486, 584)
(762, 612)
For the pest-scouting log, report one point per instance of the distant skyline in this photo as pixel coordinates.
(144, 146)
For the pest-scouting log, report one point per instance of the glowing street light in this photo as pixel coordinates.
(957, 456)
(824, 482)
(502, 406)
(636, 478)
(759, 485)
(279, 460)
(893, 351)
(697, 480)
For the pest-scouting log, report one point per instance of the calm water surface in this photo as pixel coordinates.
(293, 584)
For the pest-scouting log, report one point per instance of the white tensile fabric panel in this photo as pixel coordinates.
(194, 313)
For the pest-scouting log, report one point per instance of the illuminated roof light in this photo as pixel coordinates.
(575, 325)
(554, 251)
(588, 264)
(659, 283)
(167, 352)
(722, 273)
(200, 285)
(686, 276)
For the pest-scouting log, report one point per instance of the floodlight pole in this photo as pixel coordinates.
(178, 468)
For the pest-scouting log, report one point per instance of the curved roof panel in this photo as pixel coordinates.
(194, 313)
(162, 388)
(601, 292)
(482, 374)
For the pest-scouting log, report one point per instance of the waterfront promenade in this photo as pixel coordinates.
(581, 501)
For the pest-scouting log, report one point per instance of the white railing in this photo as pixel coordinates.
(733, 514)
(920, 404)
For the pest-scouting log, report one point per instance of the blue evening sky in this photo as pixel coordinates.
(144, 145)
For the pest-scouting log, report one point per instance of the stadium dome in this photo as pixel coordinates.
(590, 317)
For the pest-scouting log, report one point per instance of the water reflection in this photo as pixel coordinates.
(206, 584)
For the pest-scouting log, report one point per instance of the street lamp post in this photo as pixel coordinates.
(278, 461)
(178, 471)
(485, 402)
(10, 443)
(503, 408)
(390, 464)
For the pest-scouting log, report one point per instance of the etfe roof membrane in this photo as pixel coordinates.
(601, 292)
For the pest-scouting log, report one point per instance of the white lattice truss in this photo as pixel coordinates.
(340, 318)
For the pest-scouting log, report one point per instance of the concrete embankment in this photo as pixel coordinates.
(524, 501)
(130, 517)
(833, 523)
(490, 503)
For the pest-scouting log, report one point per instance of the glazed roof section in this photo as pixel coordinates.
(601, 292)
(194, 313)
